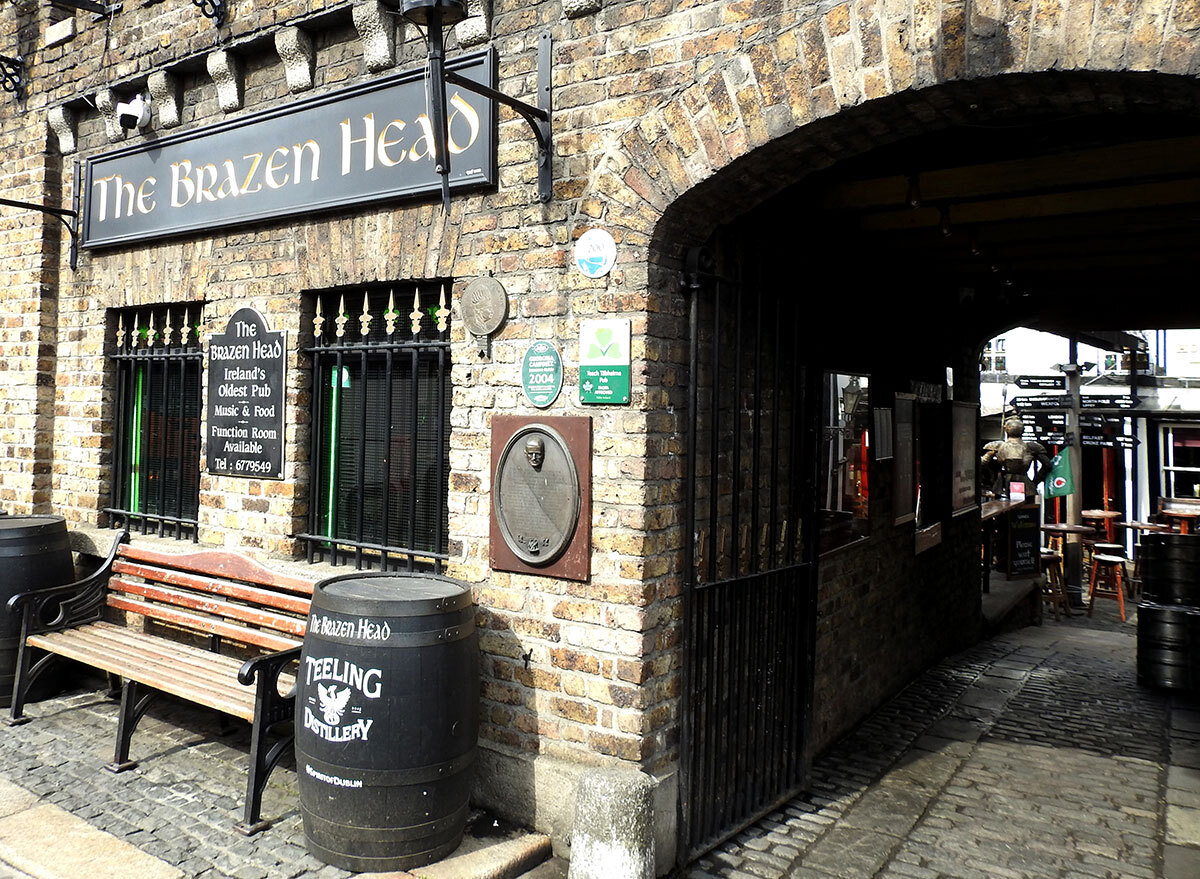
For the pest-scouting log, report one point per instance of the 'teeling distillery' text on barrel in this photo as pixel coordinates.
(387, 714)
(35, 552)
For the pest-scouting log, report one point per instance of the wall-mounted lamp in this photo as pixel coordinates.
(212, 9)
(435, 16)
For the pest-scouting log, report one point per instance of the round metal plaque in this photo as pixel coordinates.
(537, 494)
(484, 306)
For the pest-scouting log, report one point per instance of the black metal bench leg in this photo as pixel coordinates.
(28, 671)
(263, 761)
(135, 699)
(114, 685)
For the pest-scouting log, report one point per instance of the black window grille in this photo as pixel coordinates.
(156, 463)
(380, 460)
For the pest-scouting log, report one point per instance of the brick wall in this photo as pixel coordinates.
(670, 119)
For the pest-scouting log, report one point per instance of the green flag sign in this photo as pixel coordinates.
(1059, 482)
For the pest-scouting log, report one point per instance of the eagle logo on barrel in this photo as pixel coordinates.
(333, 703)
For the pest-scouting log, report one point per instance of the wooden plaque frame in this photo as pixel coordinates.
(575, 561)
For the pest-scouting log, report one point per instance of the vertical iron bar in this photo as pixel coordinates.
(756, 431)
(808, 595)
(735, 476)
(687, 739)
(120, 437)
(733, 761)
(335, 436)
(180, 422)
(314, 442)
(773, 519)
(162, 442)
(714, 451)
(387, 475)
(412, 471)
(363, 387)
(440, 544)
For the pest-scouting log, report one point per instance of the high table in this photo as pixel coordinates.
(1074, 589)
(1141, 528)
(1108, 518)
(1184, 518)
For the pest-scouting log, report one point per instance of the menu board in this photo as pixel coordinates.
(246, 396)
(1023, 540)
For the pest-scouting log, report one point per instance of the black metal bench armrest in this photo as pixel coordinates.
(270, 706)
(269, 665)
(72, 604)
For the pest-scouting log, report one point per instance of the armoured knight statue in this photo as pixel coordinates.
(1009, 460)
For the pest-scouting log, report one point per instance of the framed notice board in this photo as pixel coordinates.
(964, 448)
(1024, 557)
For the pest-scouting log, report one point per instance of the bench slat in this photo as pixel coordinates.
(265, 597)
(210, 625)
(169, 679)
(223, 564)
(159, 649)
(243, 612)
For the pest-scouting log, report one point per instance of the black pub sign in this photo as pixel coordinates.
(246, 396)
(368, 143)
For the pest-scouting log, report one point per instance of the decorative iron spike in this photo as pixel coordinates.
(443, 313)
(391, 314)
(340, 321)
(169, 331)
(415, 315)
(319, 320)
(120, 331)
(364, 320)
(137, 331)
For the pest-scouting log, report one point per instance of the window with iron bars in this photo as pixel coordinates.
(156, 444)
(379, 459)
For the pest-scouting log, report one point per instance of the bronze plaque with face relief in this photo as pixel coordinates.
(541, 476)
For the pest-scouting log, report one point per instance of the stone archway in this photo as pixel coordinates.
(804, 96)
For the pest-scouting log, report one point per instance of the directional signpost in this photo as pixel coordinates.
(1045, 401)
(1041, 382)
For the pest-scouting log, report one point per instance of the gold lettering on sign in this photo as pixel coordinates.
(272, 167)
(254, 159)
(366, 140)
(468, 114)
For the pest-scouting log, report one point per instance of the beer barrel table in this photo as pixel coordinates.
(35, 551)
(387, 715)
(1168, 646)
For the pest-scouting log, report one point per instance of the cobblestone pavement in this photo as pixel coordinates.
(1032, 755)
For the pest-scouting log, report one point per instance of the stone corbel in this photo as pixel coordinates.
(226, 72)
(62, 123)
(376, 25)
(106, 103)
(476, 28)
(579, 8)
(165, 97)
(295, 50)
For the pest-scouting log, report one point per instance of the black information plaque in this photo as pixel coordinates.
(246, 395)
(1023, 534)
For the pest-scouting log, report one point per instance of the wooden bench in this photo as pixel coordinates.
(211, 627)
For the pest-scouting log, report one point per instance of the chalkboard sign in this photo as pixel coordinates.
(1024, 556)
(246, 398)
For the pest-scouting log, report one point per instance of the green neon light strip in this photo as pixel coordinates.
(135, 447)
(334, 432)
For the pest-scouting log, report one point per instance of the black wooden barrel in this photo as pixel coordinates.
(387, 715)
(1167, 654)
(34, 551)
(1171, 568)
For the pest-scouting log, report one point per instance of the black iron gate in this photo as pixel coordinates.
(749, 599)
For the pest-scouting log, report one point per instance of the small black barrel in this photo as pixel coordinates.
(1167, 654)
(1171, 568)
(35, 551)
(387, 716)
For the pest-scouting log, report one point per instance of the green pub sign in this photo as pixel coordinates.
(604, 361)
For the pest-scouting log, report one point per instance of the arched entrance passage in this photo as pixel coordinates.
(1067, 201)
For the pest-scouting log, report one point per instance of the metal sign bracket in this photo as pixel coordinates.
(537, 117)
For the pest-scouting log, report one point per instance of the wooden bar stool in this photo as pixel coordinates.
(1054, 589)
(1108, 580)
